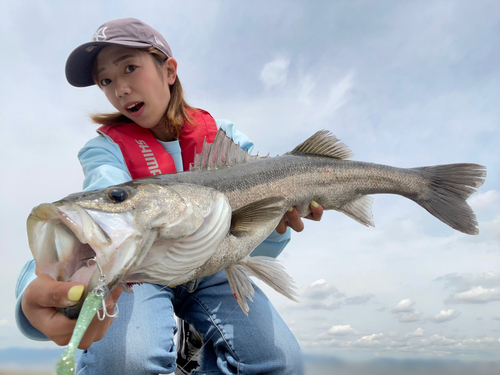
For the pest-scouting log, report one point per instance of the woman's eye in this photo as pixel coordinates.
(105, 81)
(130, 68)
(118, 195)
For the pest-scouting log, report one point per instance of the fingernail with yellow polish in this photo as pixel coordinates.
(75, 293)
(290, 209)
(314, 204)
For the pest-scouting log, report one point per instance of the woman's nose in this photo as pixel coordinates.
(122, 88)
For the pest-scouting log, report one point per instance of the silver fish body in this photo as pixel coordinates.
(189, 225)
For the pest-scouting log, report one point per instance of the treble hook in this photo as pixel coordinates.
(105, 311)
(88, 260)
(102, 291)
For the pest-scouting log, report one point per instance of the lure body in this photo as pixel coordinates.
(66, 364)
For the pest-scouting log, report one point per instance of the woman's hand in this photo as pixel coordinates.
(295, 221)
(44, 294)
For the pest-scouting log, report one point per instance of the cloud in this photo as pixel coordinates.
(436, 345)
(5, 323)
(419, 332)
(306, 85)
(376, 339)
(338, 96)
(496, 318)
(321, 295)
(445, 316)
(406, 311)
(275, 72)
(358, 300)
(321, 289)
(475, 295)
(484, 200)
(469, 288)
(410, 317)
(465, 281)
(437, 339)
(342, 330)
(405, 305)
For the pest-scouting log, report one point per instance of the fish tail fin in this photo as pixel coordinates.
(449, 187)
(267, 269)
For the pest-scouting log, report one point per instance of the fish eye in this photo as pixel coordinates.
(118, 195)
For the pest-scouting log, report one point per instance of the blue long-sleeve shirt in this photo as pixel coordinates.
(103, 165)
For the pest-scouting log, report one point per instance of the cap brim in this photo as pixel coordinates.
(80, 62)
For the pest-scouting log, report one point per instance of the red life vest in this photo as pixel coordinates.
(145, 156)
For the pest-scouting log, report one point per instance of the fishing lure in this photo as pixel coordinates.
(94, 302)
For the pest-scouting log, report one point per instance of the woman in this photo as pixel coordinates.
(133, 65)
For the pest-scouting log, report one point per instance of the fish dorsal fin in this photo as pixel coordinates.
(221, 153)
(324, 143)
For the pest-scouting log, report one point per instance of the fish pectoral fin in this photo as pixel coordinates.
(325, 144)
(359, 209)
(256, 214)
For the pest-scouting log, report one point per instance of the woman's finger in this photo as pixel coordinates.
(281, 228)
(294, 220)
(316, 211)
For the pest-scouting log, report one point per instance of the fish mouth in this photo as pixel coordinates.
(63, 236)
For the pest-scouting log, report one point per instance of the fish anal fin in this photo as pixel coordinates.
(359, 209)
(325, 144)
(254, 215)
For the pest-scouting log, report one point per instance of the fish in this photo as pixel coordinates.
(173, 228)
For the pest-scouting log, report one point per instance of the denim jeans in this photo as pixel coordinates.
(141, 338)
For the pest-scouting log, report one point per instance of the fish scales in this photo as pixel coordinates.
(299, 178)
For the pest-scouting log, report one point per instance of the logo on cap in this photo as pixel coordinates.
(158, 41)
(99, 34)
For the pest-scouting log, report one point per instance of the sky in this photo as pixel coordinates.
(402, 83)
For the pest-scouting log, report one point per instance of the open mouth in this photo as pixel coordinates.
(63, 237)
(135, 107)
(59, 243)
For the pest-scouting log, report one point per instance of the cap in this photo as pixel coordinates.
(128, 32)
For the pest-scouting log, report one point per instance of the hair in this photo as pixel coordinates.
(175, 116)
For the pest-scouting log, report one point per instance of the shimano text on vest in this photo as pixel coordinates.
(149, 157)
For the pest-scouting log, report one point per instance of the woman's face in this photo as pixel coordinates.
(133, 84)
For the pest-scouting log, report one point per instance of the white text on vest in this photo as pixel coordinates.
(149, 157)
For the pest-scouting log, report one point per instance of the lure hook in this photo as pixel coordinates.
(102, 291)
